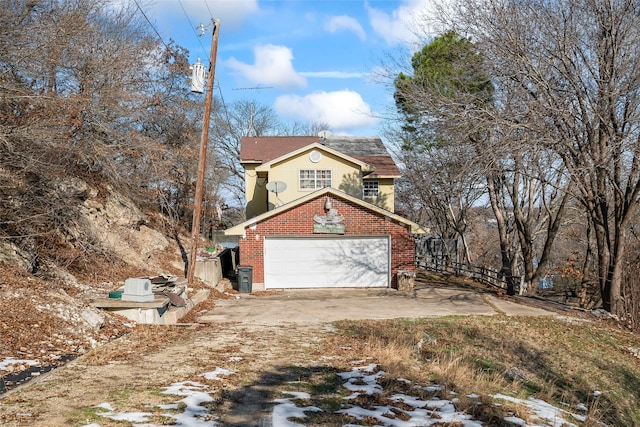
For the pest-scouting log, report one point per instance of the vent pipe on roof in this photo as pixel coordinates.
(251, 130)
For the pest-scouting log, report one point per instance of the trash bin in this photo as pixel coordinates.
(245, 278)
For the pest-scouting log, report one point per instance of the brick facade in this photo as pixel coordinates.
(298, 221)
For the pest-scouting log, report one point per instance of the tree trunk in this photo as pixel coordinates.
(506, 251)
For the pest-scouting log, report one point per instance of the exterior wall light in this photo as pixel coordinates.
(327, 204)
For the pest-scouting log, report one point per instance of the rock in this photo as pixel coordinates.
(11, 254)
(92, 318)
(120, 210)
(119, 225)
(406, 280)
(224, 285)
(515, 374)
(70, 187)
(93, 206)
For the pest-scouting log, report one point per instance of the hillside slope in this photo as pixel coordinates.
(45, 311)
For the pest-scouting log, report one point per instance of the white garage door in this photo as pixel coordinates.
(326, 262)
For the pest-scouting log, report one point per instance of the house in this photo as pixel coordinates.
(320, 213)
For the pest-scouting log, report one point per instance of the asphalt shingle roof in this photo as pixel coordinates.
(368, 149)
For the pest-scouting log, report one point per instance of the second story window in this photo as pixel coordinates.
(311, 179)
(371, 189)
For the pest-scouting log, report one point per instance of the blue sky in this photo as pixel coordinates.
(312, 60)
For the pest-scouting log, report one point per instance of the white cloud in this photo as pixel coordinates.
(408, 24)
(344, 23)
(272, 67)
(231, 13)
(341, 110)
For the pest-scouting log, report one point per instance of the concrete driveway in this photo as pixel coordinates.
(326, 305)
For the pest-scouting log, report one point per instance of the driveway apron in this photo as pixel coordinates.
(327, 305)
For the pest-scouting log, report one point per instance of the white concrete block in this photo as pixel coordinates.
(138, 290)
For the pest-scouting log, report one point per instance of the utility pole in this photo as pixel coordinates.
(204, 140)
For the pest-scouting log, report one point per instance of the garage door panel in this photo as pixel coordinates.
(326, 262)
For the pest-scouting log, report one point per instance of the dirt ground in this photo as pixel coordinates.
(130, 372)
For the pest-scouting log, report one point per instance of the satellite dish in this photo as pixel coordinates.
(276, 186)
(324, 134)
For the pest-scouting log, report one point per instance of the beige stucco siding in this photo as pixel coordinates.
(346, 176)
(288, 171)
(255, 191)
(386, 198)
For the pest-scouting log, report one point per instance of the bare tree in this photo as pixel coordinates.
(451, 103)
(247, 118)
(87, 95)
(440, 186)
(576, 69)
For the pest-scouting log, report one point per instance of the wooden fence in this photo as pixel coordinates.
(481, 274)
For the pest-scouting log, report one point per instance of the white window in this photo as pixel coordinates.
(371, 189)
(311, 179)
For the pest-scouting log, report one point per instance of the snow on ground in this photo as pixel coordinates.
(286, 408)
(194, 413)
(215, 375)
(11, 361)
(400, 410)
(555, 416)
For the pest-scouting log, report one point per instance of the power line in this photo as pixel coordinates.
(210, 14)
(150, 24)
(193, 28)
(224, 104)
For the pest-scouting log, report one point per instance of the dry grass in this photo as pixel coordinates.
(561, 361)
(142, 339)
(558, 361)
(398, 358)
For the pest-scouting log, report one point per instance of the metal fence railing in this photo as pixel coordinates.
(482, 274)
